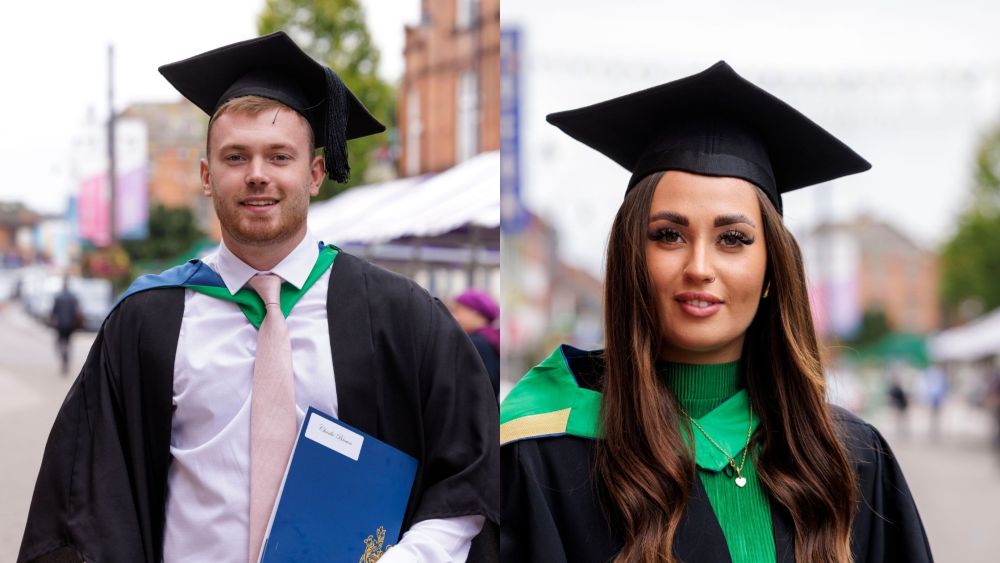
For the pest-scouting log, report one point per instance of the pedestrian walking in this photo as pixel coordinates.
(66, 318)
(701, 432)
(899, 400)
(936, 390)
(991, 400)
(173, 442)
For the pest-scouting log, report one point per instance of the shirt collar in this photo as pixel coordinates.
(727, 424)
(294, 268)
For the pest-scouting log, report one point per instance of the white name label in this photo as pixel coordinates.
(334, 436)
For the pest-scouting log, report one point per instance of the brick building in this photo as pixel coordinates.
(545, 301)
(869, 265)
(449, 102)
(176, 144)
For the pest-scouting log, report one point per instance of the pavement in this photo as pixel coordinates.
(954, 477)
(31, 391)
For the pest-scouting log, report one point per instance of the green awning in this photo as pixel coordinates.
(906, 347)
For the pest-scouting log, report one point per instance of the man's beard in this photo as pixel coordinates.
(249, 231)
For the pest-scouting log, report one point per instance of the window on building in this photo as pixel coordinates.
(467, 118)
(425, 13)
(413, 129)
(466, 13)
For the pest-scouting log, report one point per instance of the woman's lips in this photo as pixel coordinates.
(699, 304)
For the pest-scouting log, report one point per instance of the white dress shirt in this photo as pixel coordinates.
(208, 505)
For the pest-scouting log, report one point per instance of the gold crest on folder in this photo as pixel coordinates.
(373, 546)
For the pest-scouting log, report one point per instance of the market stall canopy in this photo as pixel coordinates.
(972, 341)
(895, 347)
(467, 194)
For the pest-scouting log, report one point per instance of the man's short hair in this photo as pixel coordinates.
(253, 105)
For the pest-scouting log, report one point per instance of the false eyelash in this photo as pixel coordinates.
(737, 236)
(661, 234)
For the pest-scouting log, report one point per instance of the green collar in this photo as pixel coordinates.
(712, 395)
(253, 306)
(727, 425)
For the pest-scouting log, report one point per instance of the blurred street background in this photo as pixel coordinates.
(101, 158)
(901, 260)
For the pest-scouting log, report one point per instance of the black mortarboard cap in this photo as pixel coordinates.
(274, 67)
(715, 123)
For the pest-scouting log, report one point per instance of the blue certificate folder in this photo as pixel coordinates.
(344, 496)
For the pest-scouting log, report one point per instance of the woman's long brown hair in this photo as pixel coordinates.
(642, 463)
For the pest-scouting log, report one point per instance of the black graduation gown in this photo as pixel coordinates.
(405, 372)
(551, 511)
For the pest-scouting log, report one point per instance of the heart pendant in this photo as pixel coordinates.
(741, 481)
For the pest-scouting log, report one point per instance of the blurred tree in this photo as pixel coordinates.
(111, 263)
(970, 260)
(334, 32)
(172, 233)
(874, 327)
(986, 190)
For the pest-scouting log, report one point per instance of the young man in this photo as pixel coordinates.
(171, 444)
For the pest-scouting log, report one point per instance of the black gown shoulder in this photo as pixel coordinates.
(887, 526)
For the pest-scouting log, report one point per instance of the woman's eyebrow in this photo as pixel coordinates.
(720, 221)
(733, 218)
(670, 216)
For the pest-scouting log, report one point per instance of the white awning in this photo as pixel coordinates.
(421, 206)
(972, 341)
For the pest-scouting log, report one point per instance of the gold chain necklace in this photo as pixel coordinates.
(741, 481)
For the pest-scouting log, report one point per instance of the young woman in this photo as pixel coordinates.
(701, 432)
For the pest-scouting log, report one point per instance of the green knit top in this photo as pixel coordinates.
(713, 395)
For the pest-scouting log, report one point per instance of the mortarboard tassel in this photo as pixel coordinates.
(336, 129)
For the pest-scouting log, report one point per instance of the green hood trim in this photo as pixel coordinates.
(253, 306)
(549, 402)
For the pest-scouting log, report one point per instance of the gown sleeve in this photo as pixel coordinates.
(887, 526)
(528, 529)
(461, 428)
(100, 489)
(551, 509)
(407, 374)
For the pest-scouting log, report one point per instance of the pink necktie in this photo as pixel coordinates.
(272, 410)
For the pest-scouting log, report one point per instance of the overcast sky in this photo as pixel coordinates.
(55, 71)
(910, 85)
